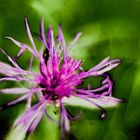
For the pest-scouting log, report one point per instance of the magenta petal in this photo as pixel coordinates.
(75, 39)
(14, 90)
(61, 36)
(21, 45)
(50, 41)
(43, 37)
(31, 38)
(13, 102)
(64, 121)
(31, 117)
(104, 66)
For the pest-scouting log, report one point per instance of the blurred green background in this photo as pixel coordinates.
(110, 28)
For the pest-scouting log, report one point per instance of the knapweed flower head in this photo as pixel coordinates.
(57, 81)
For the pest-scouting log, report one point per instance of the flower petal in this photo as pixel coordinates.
(14, 90)
(104, 66)
(31, 117)
(43, 37)
(75, 39)
(103, 101)
(31, 38)
(61, 36)
(21, 45)
(50, 41)
(13, 102)
(64, 121)
(8, 70)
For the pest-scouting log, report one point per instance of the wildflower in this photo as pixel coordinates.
(57, 81)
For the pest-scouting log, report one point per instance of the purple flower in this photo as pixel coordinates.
(57, 82)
